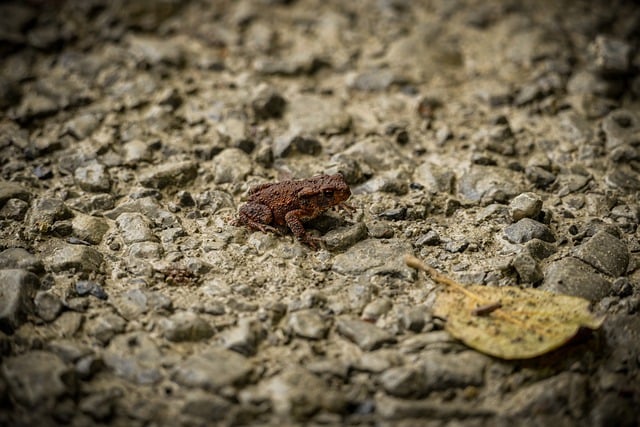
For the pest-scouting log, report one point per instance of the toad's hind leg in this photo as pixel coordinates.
(257, 217)
(294, 222)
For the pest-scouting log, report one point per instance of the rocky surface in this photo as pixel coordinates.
(498, 141)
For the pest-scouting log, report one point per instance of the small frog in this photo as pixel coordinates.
(291, 203)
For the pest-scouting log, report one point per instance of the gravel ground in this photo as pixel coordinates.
(499, 141)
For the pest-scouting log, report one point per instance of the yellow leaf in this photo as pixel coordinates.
(529, 323)
(508, 322)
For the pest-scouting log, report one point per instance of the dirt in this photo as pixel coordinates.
(496, 141)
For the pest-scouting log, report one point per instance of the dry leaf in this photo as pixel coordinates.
(508, 322)
(529, 322)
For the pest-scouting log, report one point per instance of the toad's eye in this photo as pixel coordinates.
(328, 193)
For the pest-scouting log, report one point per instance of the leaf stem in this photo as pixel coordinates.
(414, 262)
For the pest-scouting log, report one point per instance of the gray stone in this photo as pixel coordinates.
(156, 51)
(393, 181)
(93, 177)
(212, 369)
(14, 209)
(391, 408)
(570, 183)
(590, 83)
(87, 366)
(205, 406)
(134, 302)
(231, 165)
(403, 381)
(145, 250)
(233, 131)
(268, 104)
(610, 55)
(573, 277)
(245, 337)
(374, 80)
(378, 361)
(436, 340)
(444, 371)
(67, 324)
(489, 184)
(539, 177)
(621, 127)
(136, 151)
(342, 238)
(430, 238)
(18, 258)
(372, 257)
(186, 326)
(10, 93)
(613, 409)
(89, 228)
(16, 291)
(48, 305)
(413, 318)
(290, 144)
(38, 378)
(69, 350)
(93, 204)
(606, 253)
(134, 357)
(624, 178)
(308, 324)
(83, 125)
(46, 211)
(170, 173)
(36, 105)
(61, 256)
(135, 227)
(435, 177)
(10, 190)
(372, 152)
(525, 205)
(527, 229)
(89, 287)
(365, 335)
(375, 309)
(99, 406)
(300, 62)
(313, 114)
(550, 395)
(456, 246)
(527, 268)
(105, 327)
(297, 394)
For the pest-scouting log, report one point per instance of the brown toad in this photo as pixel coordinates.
(291, 203)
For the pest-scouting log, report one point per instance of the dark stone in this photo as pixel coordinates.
(364, 334)
(527, 229)
(610, 56)
(38, 379)
(539, 177)
(18, 258)
(606, 253)
(48, 306)
(16, 290)
(573, 277)
(88, 287)
(269, 105)
(212, 369)
(527, 268)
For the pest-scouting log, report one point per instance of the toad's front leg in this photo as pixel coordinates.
(256, 216)
(294, 222)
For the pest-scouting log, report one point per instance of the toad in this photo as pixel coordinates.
(291, 203)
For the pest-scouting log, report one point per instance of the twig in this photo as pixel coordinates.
(493, 306)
